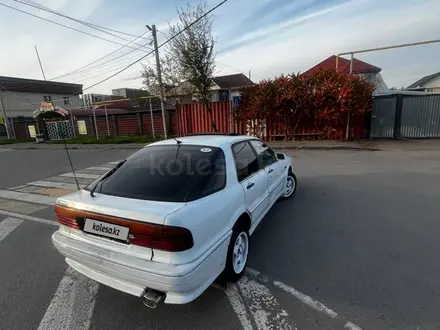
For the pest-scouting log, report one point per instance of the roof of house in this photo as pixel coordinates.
(232, 80)
(14, 84)
(344, 66)
(223, 82)
(423, 80)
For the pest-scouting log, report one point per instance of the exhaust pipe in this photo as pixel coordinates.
(152, 298)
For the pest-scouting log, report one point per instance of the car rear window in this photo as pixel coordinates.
(170, 173)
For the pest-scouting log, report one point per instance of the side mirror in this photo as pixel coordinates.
(281, 156)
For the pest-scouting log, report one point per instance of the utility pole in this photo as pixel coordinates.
(152, 119)
(71, 118)
(39, 61)
(159, 76)
(106, 119)
(5, 119)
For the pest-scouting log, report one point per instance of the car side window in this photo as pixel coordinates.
(246, 161)
(266, 156)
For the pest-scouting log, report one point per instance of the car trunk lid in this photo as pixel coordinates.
(139, 223)
(133, 209)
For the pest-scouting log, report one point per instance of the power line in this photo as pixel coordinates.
(99, 74)
(109, 64)
(165, 42)
(101, 58)
(65, 26)
(90, 24)
(49, 10)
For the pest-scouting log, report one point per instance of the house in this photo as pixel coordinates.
(19, 97)
(223, 88)
(92, 98)
(129, 92)
(429, 83)
(368, 71)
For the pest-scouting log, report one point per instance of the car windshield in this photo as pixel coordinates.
(170, 173)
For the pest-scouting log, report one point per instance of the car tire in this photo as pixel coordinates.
(238, 252)
(293, 184)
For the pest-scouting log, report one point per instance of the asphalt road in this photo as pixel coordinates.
(359, 239)
(20, 166)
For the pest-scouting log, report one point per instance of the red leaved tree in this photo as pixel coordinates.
(337, 97)
(326, 97)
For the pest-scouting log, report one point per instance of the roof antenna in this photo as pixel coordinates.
(59, 131)
(178, 141)
(71, 165)
(68, 154)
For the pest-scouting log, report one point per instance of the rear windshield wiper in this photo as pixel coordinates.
(113, 170)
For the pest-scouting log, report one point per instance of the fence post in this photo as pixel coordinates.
(139, 128)
(398, 117)
(115, 125)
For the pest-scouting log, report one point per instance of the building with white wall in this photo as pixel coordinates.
(20, 97)
(129, 92)
(430, 83)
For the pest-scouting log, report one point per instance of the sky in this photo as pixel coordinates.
(265, 37)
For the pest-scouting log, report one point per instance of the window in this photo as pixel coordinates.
(66, 100)
(168, 173)
(246, 161)
(214, 96)
(266, 156)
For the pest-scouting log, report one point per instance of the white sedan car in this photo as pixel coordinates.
(164, 223)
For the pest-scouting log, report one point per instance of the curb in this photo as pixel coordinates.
(326, 148)
(139, 146)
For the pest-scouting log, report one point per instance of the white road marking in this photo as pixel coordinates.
(33, 198)
(114, 163)
(257, 274)
(238, 306)
(98, 168)
(81, 175)
(28, 217)
(53, 184)
(351, 326)
(8, 225)
(307, 300)
(72, 305)
(264, 307)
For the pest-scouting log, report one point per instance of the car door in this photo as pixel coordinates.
(253, 179)
(273, 167)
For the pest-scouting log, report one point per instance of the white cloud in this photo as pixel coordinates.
(283, 46)
(296, 45)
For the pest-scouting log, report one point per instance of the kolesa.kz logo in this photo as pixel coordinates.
(105, 229)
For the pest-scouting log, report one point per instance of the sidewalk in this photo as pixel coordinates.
(364, 145)
(307, 145)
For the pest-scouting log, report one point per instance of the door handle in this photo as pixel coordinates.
(250, 185)
(270, 170)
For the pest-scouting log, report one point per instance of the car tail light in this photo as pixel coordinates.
(166, 238)
(171, 239)
(65, 220)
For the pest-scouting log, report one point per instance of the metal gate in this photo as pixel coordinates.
(57, 130)
(420, 117)
(383, 117)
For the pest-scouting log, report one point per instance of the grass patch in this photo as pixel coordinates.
(14, 141)
(106, 140)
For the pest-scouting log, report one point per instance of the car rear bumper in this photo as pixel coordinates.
(133, 275)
